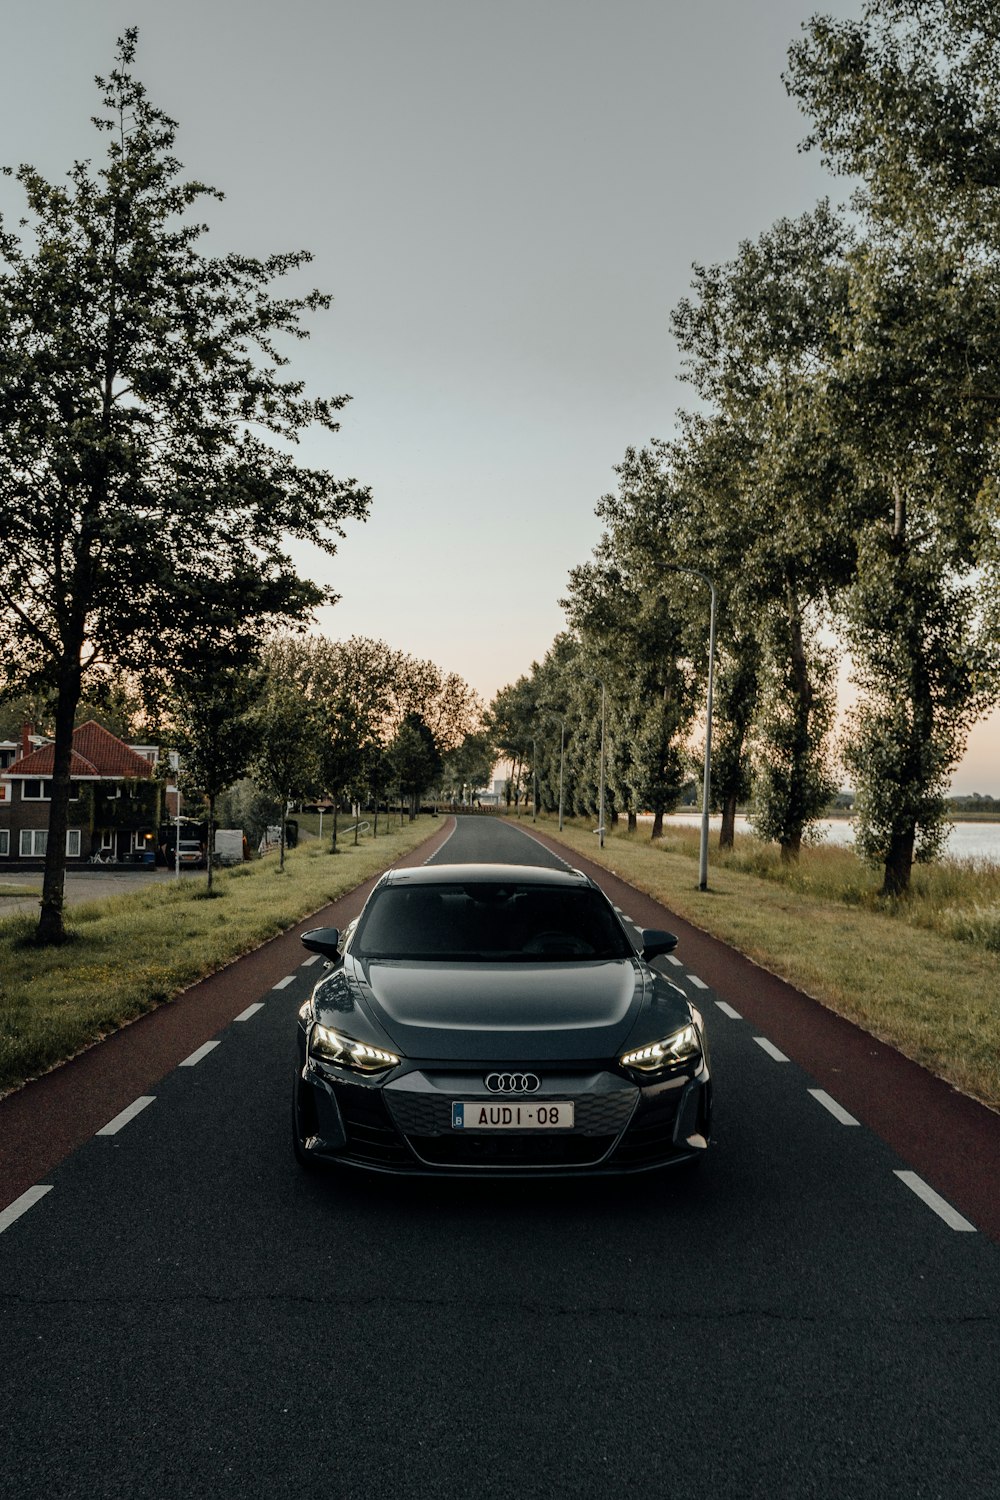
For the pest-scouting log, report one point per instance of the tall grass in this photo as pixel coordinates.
(922, 974)
(126, 954)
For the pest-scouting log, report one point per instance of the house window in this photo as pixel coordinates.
(41, 791)
(4, 840)
(34, 840)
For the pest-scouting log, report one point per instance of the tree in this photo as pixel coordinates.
(762, 335)
(415, 758)
(469, 765)
(289, 760)
(146, 422)
(905, 98)
(215, 730)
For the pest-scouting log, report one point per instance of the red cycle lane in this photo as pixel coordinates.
(51, 1116)
(951, 1140)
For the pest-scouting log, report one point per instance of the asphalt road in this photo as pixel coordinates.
(184, 1313)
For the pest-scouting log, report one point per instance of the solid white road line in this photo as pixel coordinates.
(770, 1049)
(676, 961)
(129, 1113)
(251, 1010)
(698, 983)
(21, 1205)
(196, 1057)
(314, 959)
(727, 1010)
(837, 1110)
(943, 1210)
(288, 979)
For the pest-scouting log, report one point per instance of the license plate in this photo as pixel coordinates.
(555, 1114)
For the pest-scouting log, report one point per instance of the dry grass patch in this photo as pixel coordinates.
(127, 954)
(902, 970)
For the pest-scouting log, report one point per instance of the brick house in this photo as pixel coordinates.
(115, 799)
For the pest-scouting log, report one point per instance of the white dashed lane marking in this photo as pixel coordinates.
(727, 1010)
(196, 1057)
(20, 1206)
(837, 1110)
(698, 983)
(314, 959)
(288, 979)
(943, 1210)
(770, 1049)
(251, 1010)
(127, 1114)
(675, 961)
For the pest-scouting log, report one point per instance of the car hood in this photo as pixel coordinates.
(507, 1012)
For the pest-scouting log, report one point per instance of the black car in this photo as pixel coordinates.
(497, 1019)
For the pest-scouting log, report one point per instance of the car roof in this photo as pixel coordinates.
(485, 875)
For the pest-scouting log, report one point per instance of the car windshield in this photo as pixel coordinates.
(490, 923)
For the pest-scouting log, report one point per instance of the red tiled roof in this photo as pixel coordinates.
(96, 752)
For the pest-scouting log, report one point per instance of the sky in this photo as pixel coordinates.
(505, 198)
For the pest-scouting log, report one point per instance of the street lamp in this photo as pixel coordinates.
(600, 830)
(534, 779)
(707, 778)
(557, 718)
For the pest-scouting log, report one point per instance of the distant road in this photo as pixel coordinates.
(81, 885)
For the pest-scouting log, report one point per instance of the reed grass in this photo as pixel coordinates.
(922, 974)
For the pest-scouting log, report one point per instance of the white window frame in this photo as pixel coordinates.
(4, 842)
(45, 795)
(27, 843)
(73, 843)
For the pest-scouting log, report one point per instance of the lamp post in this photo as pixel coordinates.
(175, 766)
(603, 701)
(558, 719)
(600, 830)
(706, 787)
(534, 779)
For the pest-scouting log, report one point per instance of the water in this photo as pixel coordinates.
(964, 841)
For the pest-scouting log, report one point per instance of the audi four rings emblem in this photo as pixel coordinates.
(513, 1083)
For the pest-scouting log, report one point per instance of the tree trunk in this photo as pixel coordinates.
(791, 848)
(899, 864)
(50, 921)
(336, 804)
(657, 832)
(727, 833)
(281, 844)
(633, 821)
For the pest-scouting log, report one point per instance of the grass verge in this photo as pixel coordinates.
(922, 975)
(128, 954)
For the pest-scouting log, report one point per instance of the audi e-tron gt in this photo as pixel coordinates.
(497, 1019)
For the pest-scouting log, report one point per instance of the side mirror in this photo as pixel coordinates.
(655, 943)
(325, 940)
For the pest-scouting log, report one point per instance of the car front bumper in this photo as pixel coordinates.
(405, 1125)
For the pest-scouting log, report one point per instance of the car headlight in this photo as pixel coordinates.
(660, 1057)
(333, 1047)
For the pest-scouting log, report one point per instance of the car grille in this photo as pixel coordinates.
(507, 1149)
